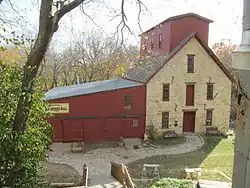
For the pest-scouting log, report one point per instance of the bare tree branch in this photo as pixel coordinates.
(48, 24)
(64, 10)
(140, 5)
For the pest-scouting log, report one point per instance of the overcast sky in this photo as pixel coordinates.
(227, 15)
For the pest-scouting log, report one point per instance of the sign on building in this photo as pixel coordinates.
(58, 108)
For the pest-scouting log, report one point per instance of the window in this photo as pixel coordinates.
(209, 118)
(135, 123)
(165, 92)
(165, 120)
(152, 44)
(210, 91)
(190, 94)
(128, 102)
(190, 63)
(160, 40)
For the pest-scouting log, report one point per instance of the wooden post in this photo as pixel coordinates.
(85, 175)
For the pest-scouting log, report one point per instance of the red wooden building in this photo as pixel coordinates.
(100, 110)
(165, 36)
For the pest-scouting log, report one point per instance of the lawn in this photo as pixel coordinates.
(215, 158)
(169, 141)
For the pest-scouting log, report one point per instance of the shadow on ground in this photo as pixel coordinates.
(205, 157)
(59, 173)
(90, 146)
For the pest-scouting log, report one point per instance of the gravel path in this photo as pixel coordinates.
(98, 160)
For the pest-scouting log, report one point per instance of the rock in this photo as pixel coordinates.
(77, 147)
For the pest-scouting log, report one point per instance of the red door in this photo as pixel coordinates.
(189, 122)
(113, 128)
(190, 95)
(93, 129)
(72, 130)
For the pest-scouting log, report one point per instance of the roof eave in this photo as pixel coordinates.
(215, 58)
(177, 17)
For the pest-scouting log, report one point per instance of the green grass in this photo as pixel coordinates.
(215, 155)
(169, 141)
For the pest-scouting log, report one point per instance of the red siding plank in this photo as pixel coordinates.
(101, 105)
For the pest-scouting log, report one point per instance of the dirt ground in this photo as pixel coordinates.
(66, 166)
(63, 173)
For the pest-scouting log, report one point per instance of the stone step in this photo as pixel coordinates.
(214, 184)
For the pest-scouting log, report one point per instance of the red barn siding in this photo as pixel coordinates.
(174, 31)
(165, 30)
(183, 27)
(100, 116)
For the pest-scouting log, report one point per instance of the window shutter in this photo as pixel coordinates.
(190, 95)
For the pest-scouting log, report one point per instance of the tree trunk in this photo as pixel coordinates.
(33, 62)
(48, 24)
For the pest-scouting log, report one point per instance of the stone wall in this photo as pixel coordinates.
(175, 73)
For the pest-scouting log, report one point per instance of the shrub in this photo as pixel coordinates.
(172, 183)
(152, 131)
(20, 153)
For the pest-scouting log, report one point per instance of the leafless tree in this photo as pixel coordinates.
(223, 50)
(51, 12)
(98, 57)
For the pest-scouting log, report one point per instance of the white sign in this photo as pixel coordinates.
(59, 108)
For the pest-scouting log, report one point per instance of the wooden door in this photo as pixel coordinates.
(190, 95)
(189, 122)
(72, 130)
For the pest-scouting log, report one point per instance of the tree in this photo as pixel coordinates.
(223, 50)
(48, 25)
(20, 154)
(98, 57)
(24, 132)
(12, 55)
(90, 57)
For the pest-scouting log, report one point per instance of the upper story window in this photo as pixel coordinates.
(165, 92)
(210, 91)
(190, 63)
(160, 40)
(152, 44)
(128, 102)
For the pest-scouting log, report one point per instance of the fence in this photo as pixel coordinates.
(121, 173)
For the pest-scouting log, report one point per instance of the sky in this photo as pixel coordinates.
(226, 14)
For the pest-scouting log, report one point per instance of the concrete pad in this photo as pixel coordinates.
(103, 180)
(214, 184)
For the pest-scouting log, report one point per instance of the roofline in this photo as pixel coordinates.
(59, 98)
(207, 49)
(215, 58)
(132, 80)
(178, 17)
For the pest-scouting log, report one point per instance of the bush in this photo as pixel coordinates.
(21, 154)
(172, 183)
(152, 132)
